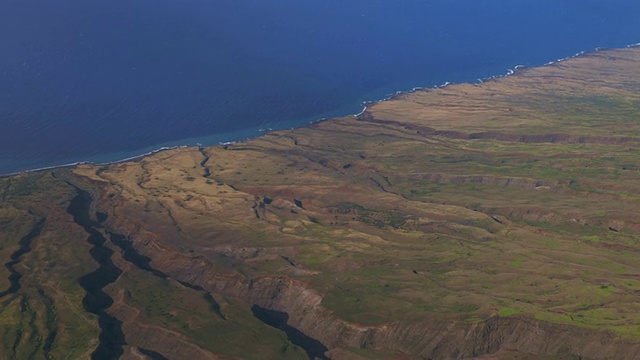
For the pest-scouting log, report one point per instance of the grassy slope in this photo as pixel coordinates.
(373, 205)
(50, 300)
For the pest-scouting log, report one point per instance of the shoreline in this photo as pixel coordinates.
(510, 72)
(131, 158)
(515, 70)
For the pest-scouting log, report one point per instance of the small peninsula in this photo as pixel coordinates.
(492, 221)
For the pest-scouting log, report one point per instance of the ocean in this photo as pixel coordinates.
(100, 81)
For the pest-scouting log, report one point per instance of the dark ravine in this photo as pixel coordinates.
(23, 308)
(51, 323)
(203, 163)
(130, 254)
(274, 318)
(96, 301)
(25, 247)
(154, 355)
(102, 216)
(278, 319)
(213, 304)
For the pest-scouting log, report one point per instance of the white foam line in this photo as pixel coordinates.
(96, 163)
(587, 52)
(361, 112)
(482, 80)
(131, 158)
(44, 168)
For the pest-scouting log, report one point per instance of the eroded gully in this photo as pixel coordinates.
(96, 301)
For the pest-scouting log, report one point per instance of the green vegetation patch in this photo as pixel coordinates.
(509, 311)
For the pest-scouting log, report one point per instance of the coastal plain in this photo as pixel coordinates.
(495, 220)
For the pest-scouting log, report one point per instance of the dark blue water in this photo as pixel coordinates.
(103, 80)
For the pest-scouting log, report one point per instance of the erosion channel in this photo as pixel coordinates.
(97, 301)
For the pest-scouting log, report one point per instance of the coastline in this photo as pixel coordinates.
(510, 72)
(262, 131)
(132, 158)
